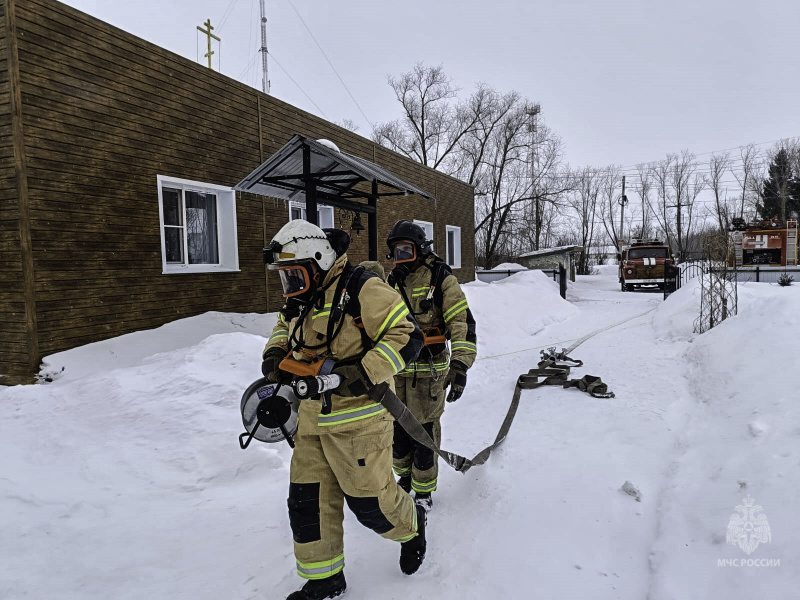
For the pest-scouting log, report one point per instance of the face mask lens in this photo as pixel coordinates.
(404, 252)
(294, 280)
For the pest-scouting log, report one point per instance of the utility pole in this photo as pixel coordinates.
(209, 28)
(623, 200)
(533, 112)
(678, 222)
(265, 77)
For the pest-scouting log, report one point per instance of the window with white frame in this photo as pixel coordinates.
(453, 246)
(198, 226)
(297, 210)
(428, 227)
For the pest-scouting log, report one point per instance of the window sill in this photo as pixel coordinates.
(195, 269)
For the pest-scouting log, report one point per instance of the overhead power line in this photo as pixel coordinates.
(717, 151)
(299, 16)
(226, 15)
(322, 112)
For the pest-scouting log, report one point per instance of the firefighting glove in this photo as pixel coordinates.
(269, 365)
(457, 376)
(397, 276)
(355, 381)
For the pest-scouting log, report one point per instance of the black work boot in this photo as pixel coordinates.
(405, 483)
(412, 552)
(319, 589)
(424, 500)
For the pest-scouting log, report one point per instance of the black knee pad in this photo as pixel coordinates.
(424, 458)
(402, 444)
(304, 512)
(369, 514)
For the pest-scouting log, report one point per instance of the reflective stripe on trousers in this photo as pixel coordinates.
(425, 488)
(353, 414)
(320, 570)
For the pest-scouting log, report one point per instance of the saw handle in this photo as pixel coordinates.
(321, 385)
(308, 387)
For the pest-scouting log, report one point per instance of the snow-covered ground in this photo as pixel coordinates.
(123, 477)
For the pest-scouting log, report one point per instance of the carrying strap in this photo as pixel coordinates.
(553, 369)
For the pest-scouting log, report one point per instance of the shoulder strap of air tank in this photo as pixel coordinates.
(354, 281)
(441, 271)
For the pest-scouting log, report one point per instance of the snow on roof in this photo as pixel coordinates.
(509, 267)
(556, 250)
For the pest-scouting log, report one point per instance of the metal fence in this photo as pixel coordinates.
(767, 274)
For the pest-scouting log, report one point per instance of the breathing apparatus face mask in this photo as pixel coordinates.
(298, 280)
(404, 252)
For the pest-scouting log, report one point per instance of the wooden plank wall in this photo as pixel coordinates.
(104, 113)
(13, 341)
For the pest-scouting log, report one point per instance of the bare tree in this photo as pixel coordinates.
(683, 168)
(506, 185)
(718, 166)
(550, 179)
(348, 124)
(661, 203)
(694, 187)
(610, 183)
(644, 189)
(745, 174)
(583, 201)
(434, 122)
(489, 108)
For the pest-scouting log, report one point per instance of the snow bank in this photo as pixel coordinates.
(133, 348)
(674, 319)
(741, 437)
(123, 477)
(514, 309)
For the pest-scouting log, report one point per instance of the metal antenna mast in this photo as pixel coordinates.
(265, 79)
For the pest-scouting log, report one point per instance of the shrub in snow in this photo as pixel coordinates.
(785, 280)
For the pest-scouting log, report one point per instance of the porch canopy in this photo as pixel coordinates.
(313, 171)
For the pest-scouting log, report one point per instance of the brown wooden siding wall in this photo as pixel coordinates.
(13, 339)
(104, 113)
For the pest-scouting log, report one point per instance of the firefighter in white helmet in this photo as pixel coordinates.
(343, 452)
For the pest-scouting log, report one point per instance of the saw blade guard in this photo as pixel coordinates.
(266, 407)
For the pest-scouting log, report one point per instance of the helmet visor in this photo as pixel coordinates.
(404, 251)
(295, 280)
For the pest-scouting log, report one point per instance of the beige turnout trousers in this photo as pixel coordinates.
(426, 402)
(333, 467)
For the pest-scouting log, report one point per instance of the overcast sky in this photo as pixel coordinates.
(621, 81)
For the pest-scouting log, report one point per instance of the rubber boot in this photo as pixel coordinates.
(424, 500)
(405, 483)
(319, 589)
(412, 552)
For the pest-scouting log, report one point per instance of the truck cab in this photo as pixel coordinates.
(645, 263)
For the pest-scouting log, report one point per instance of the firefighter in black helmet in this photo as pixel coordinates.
(436, 300)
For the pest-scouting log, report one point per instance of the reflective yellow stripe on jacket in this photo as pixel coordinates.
(455, 309)
(393, 318)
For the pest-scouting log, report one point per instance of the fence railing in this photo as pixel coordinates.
(760, 274)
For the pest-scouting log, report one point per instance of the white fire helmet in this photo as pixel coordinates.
(291, 251)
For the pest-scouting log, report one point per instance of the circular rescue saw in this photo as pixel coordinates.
(269, 413)
(270, 410)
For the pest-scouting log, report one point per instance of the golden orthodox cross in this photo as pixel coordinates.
(209, 28)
